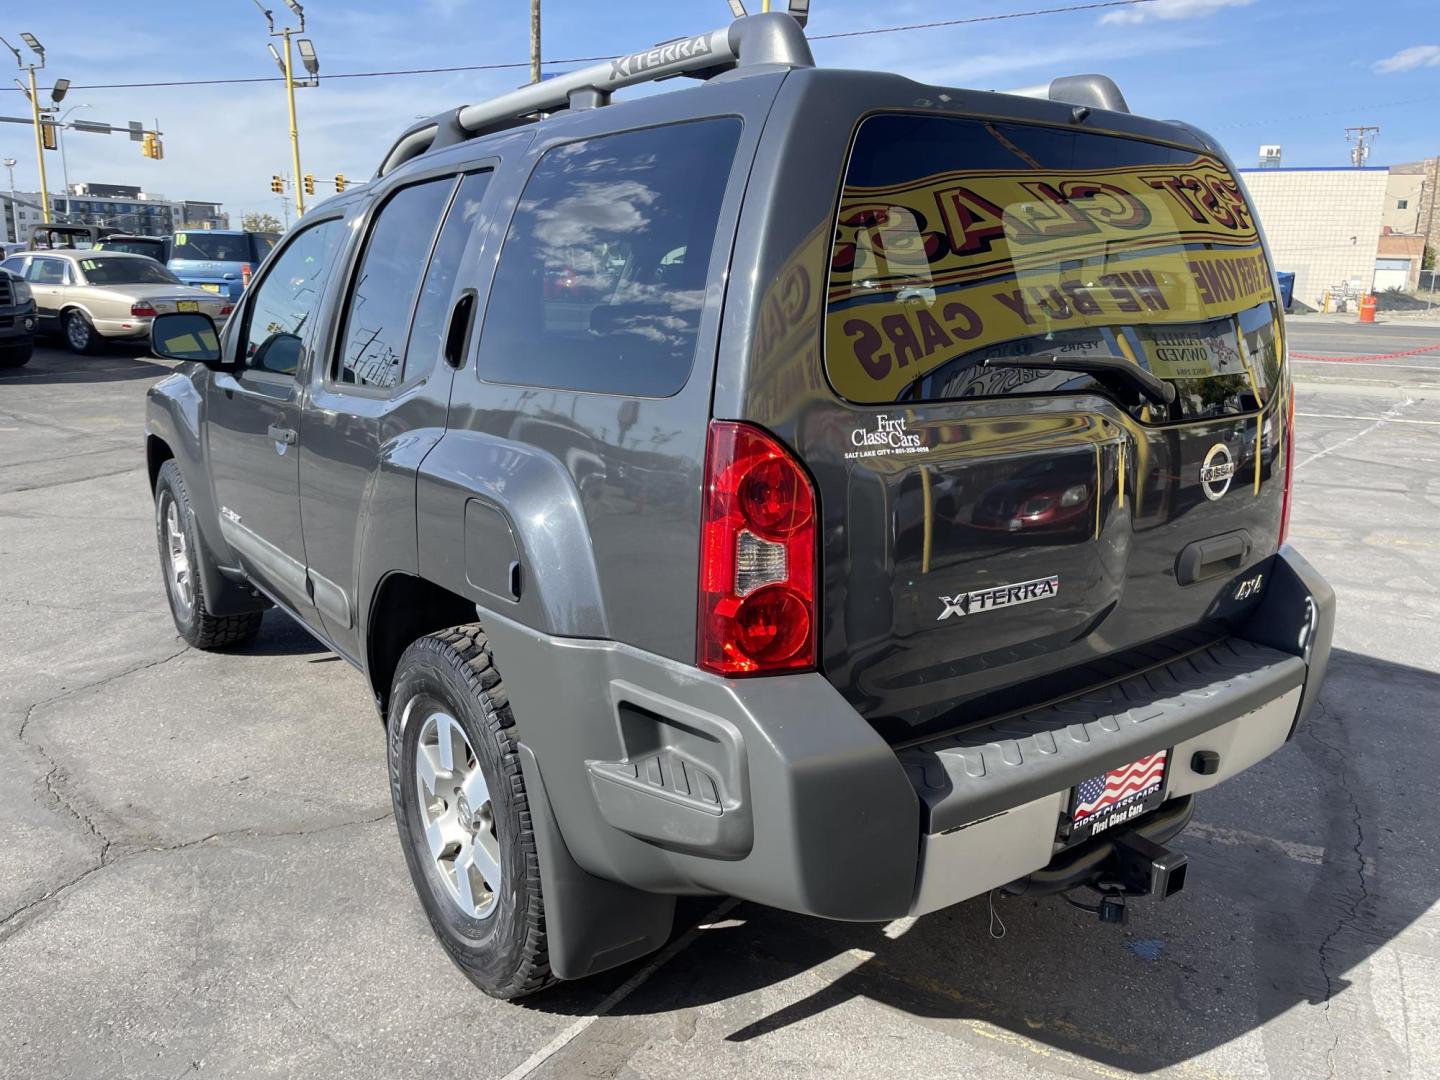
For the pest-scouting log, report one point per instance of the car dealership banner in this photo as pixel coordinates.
(956, 263)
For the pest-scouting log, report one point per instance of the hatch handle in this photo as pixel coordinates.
(1110, 369)
(1213, 556)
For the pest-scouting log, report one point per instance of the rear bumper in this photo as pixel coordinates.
(667, 779)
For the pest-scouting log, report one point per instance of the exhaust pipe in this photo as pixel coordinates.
(1145, 868)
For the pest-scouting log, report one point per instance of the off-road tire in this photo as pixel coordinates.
(80, 333)
(198, 626)
(505, 952)
(16, 356)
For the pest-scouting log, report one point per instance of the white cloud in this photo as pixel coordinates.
(1170, 9)
(1416, 56)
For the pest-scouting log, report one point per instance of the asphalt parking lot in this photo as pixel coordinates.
(199, 874)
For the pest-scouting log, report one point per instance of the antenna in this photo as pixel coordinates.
(1362, 137)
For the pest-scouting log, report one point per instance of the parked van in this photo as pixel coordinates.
(218, 260)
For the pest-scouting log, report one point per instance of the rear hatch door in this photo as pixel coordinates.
(1057, 364)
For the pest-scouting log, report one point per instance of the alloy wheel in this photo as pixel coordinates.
(179, 572)
(457, 815)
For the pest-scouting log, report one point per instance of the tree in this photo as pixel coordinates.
(259, 221)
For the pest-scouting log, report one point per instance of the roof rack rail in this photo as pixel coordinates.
(771, 38)
(1091, 91)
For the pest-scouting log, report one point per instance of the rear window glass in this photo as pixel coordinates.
(602, 277)
(155, 248)
(963, 247)
(218, 247)
(125, 271)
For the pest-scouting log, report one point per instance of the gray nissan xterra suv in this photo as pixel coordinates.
(807, 486)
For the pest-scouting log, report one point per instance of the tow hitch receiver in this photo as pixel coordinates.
(1147, 869)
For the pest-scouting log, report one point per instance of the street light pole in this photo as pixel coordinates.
(39, 148)
(287, 68)
(294, 128)
(60, 139)
(14, 230)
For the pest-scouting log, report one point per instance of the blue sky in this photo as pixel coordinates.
(1293, 72)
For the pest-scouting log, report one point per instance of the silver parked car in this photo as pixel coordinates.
(88, 297)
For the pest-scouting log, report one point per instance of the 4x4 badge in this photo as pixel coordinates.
(1216, 471)
(1022, 592)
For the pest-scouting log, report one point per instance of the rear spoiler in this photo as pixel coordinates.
(1092, 91)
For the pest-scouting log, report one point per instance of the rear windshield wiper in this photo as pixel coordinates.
(1105, 369)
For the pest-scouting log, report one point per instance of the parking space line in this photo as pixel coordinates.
(1389, 414)
(621, 992)
(1380, 419)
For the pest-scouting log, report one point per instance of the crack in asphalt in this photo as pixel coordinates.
(1347, 920)
(13, 923)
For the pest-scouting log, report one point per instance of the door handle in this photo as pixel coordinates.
(283, 434)
(457, 337)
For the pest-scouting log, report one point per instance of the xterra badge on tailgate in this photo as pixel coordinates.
(1023, 592)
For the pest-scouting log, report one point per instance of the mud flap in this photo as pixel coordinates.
(592, 924)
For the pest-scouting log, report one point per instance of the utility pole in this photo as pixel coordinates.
(1361, 137)
(287, 68)
(534, 41)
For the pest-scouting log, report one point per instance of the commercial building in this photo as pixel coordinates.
(118, 206)
(1324, 225)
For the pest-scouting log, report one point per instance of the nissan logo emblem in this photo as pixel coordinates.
(1217, 471)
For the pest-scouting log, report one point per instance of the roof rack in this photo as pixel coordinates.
(772, 38)
(1090, 91)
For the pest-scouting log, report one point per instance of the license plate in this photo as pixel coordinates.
(1117, 796)
(211, 288)
(187, 305)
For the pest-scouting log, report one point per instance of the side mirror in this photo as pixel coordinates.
(185, 335)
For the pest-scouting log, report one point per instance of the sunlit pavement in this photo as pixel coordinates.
(198, 873)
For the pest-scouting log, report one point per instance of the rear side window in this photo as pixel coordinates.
(377, 319)
(964, 246)
(602, 277)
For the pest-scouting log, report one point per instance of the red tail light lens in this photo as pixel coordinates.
(142, 310)
(226, 310)
(757, 556)
(1285, 502)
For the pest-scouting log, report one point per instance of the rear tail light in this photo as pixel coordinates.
(226, 310)
(757, 556)
(141, 310)
(1285, 502)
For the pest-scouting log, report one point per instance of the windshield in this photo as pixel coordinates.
(963, 241)
(125, 271)
(218, 247)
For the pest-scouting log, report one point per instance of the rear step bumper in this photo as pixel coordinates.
(965, 777)
(667, 779)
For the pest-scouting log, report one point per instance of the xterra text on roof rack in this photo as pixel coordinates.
(808, 486)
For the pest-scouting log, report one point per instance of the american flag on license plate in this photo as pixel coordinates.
(1103, 791)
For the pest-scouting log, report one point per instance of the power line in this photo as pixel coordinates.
(1066, 9)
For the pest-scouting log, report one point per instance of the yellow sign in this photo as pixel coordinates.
(876, 349)
(925, 271)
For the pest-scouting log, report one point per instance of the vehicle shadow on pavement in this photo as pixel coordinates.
(113, 365)
(1302, 869)
(280, 635)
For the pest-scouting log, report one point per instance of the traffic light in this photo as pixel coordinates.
(277, 185)
(339, 182)
(47, 134)
(309, 184)
(157, 148)
(148, 145)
